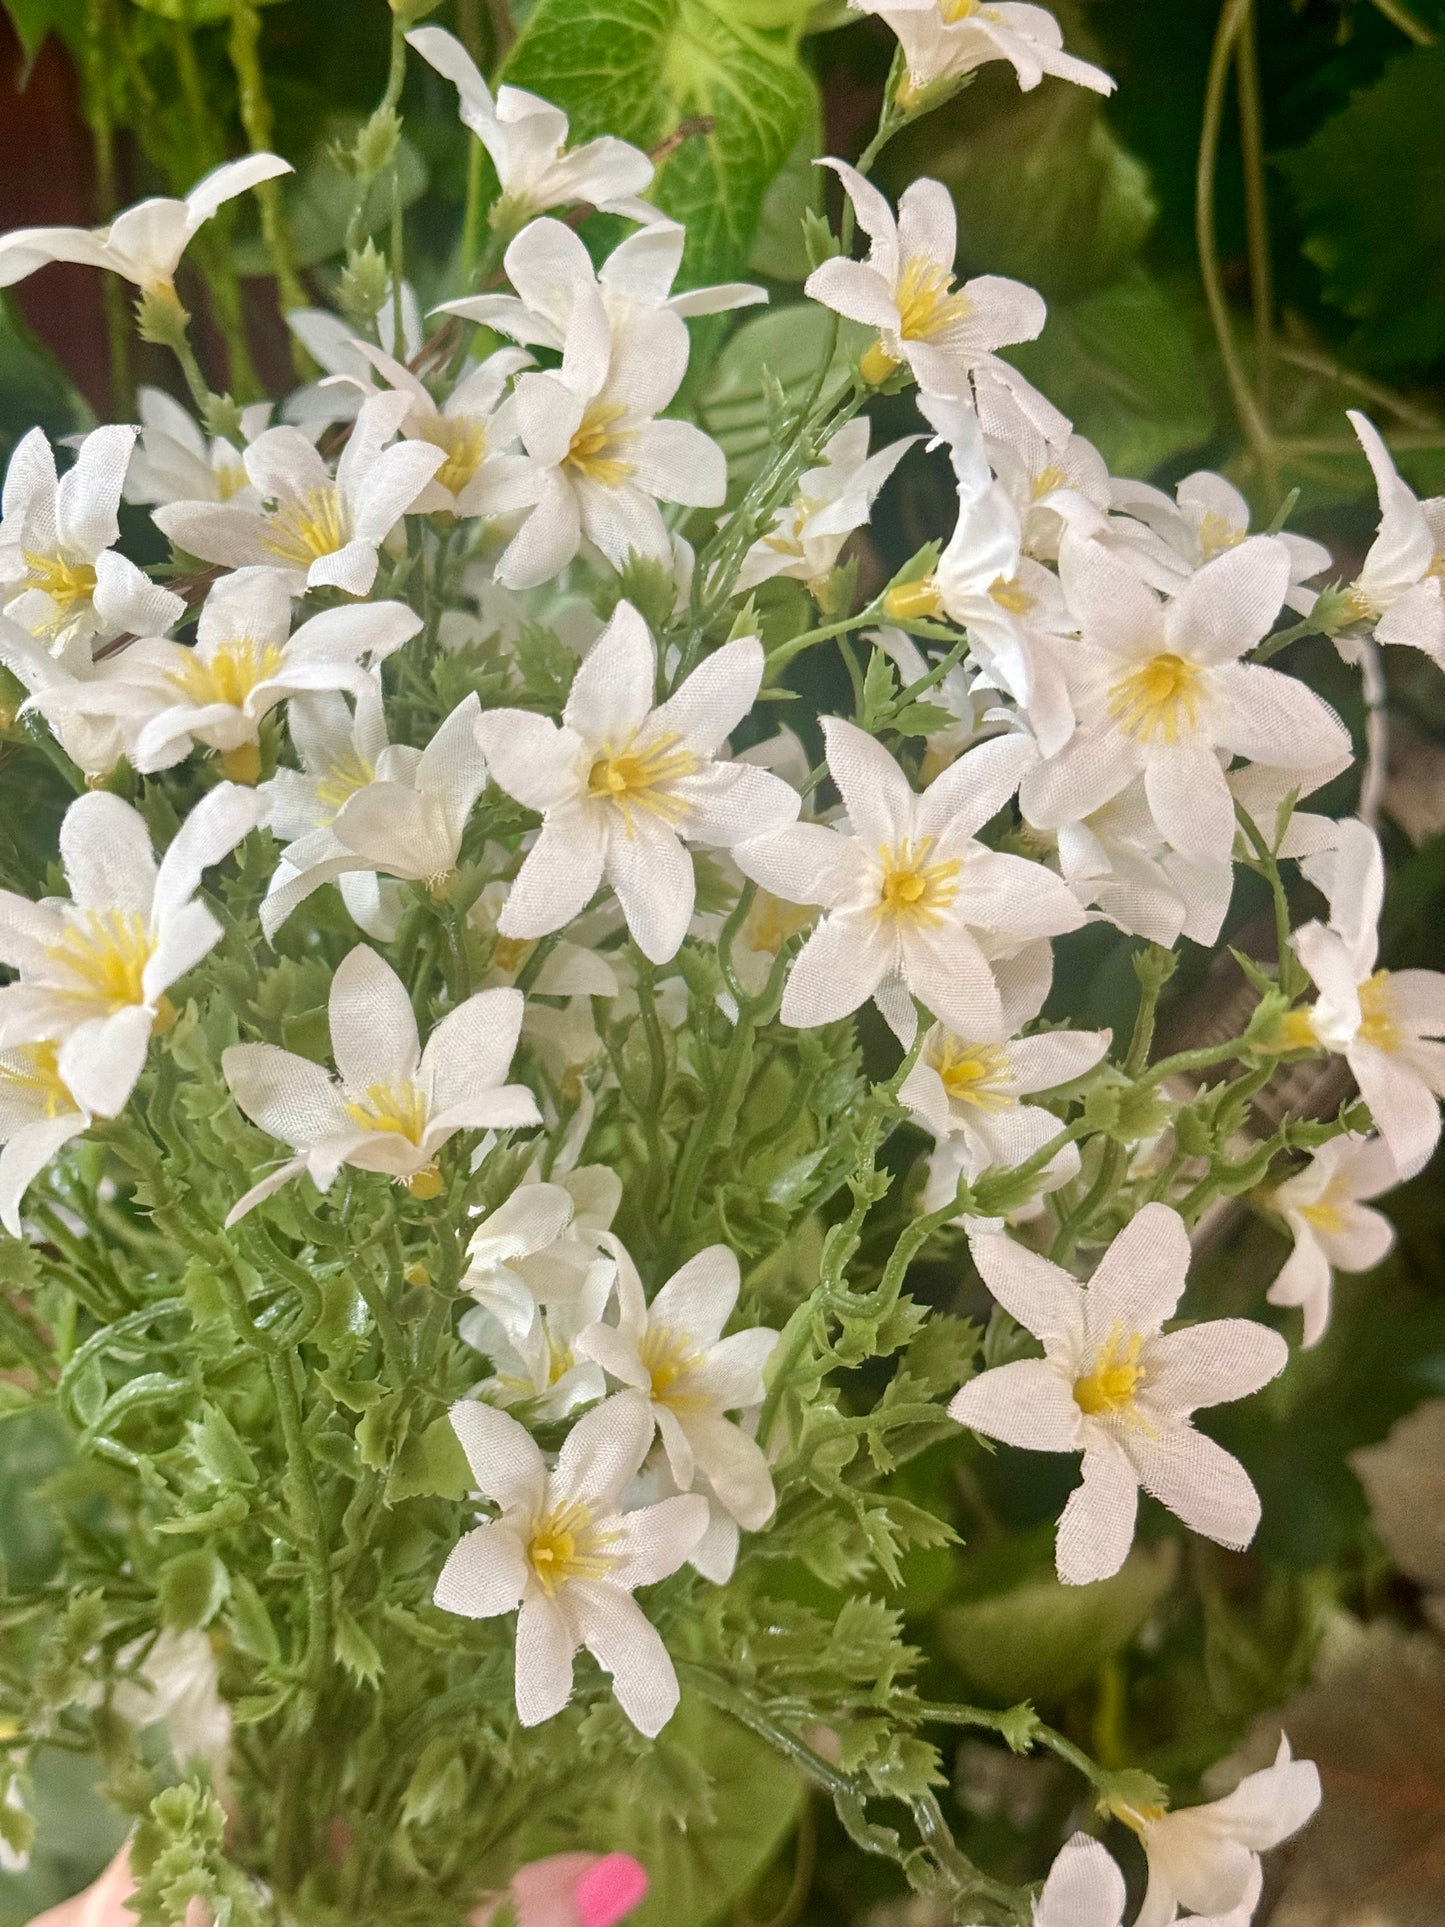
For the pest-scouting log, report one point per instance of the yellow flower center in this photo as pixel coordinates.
(344, 778)
(1009, 594)
(231, 674)
(105, 952)
(567, 1545)
(463, 440)
(426, 1184)
(771, 921)
(33, 1069)
(974, 1074)
(1294, 1031)
(913, 890)
(670, 1359)
(306, 527)
(595, 452)
(637, 777)
(231, 478)
(70, 585)
(510, 953)
(391, 1107)
(1329, 1212)
(1217, 533)
(1159, 700)
(1046, 481)
(1108, 1388)
(1377, 1017)
(952, 11)
(928, 303)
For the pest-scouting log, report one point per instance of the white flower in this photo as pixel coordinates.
(1113, 1385)
(1038, 473)
(325, 529)
(1084, 1888)
(526, 138)
(1207, 516)
(539, 1246)
(1385, 1023)
(177, 462)
(146, 242)
(176, 1681)
(622, 786)
(943, 40)
(243, 663)
(969, 1094)
(407, 821)
(1206, 1858)
(91, 705)
(60, 577)
(1334, 1230)
(832, 500)
(1400, 589)
(905, 290)
(536, 1361)
(38, 1115)
(563, 1552)
(1117, 860)
(395, 1105)
(94, 968)
(549, 267)
(1160, 690)
(332, 344)
(596, 461)
(911, 895)
(673, 1357)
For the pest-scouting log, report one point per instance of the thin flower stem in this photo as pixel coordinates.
(102, 129)
(1256, 204)
(259, 123)
(1399, 15)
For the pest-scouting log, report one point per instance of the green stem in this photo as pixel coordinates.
(102, 128)
(259, 123)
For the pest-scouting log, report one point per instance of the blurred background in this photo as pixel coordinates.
(1246, 240)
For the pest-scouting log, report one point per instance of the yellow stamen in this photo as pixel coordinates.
(637, 777)
(912, 601)
(567, 1545)
(242, 764)
(928, 303)
(344, 778)
(912, 889)
(106, 951)
(1329, 1212)
(230, 675)
(1158, 700)
(952, 11)
(671, 1359)
(1377, 1017)
(1046, 481)
(1108, 1389)
(463, 440)
(876, 365)
(306, 527)
(595, 451)
(1008, 593)
(1217, 533)
(231, 478)
(392, 1107)
(1294, 1031)
(70, 585)
(426, 1184)
(33, 1068)
(974, 1074)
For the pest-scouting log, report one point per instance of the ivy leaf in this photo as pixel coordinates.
(33, 20)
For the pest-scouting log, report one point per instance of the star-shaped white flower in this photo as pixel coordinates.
(1039, 473)
(539, 1246)
(94, 968)
(92, 706)
(1160, 689)
(1208, 516)
(1400, 591)
(943, 40)
(1117, 861)
(244, 662)
(673, 1357)
(1115, 1386)
(175, 461)
(624, 786)
(807, 533)
(407, 821)
(1206, 1858)
(911, 896)
(38, 1116)
(563, 1552)
(1385, 1023)
(60, 576)
(324, 528)
(393, 1105)
(526, 138)
(1334, 1228)
(905, 290)
(1084, 1888)
(536, 1361)
(146, 242)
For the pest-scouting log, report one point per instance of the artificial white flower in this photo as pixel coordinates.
(1117, 861)
(176, 1681)
(94, 968)
(1333, 1228)
(526, 138)
(623, 785)
(1208, 516)
(325, 529)
(595, 459)
(407, 821)
(177, 462)
(91, 705)
(1399, 591)
(548, 265)
(910, 894)
(393, 1105)
(1042, 476)
(244, 662)
(1385, 1023)
(673, 1356)
(331, 341)
(970, 1094)
(1084, 1888)
(563, 1552)
(1115, 1386)
(1206, 1858)
(807, 533)
(536, 1362)
(961, 692)
(539, 1246)
(942, 40)
(146, 242)
(1160, 690)
(905, 290)
(60, 577)
(38, 1116)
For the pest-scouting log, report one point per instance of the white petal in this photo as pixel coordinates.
(1096, 1527)
(603, 1450)
(1199, 1481)
(653, 876)
(502, 1454)
(612, 692)
(839, 967)
(1209, 1364)
(1026, 1403)
(286, 1096)
(484, 1574)
(544, 1660)
(1041, 1296)
(1140, 1278)
(625, 1643)
(471, 1049)
(699, 1299)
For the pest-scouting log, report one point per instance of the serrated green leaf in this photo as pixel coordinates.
(219, 1449)
(192, 1589)
(431, 1464)
(250, 1622)
(356, 1649)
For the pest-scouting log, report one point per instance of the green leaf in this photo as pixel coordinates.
(250, 1622)
(355, 1650)
(192, 1589)
(1370, 188)
(778, 248)
(1123, 363)
(430, 1464)
(34, 19)
(219, 1449)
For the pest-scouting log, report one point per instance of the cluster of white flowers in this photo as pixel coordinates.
(1112, 703)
